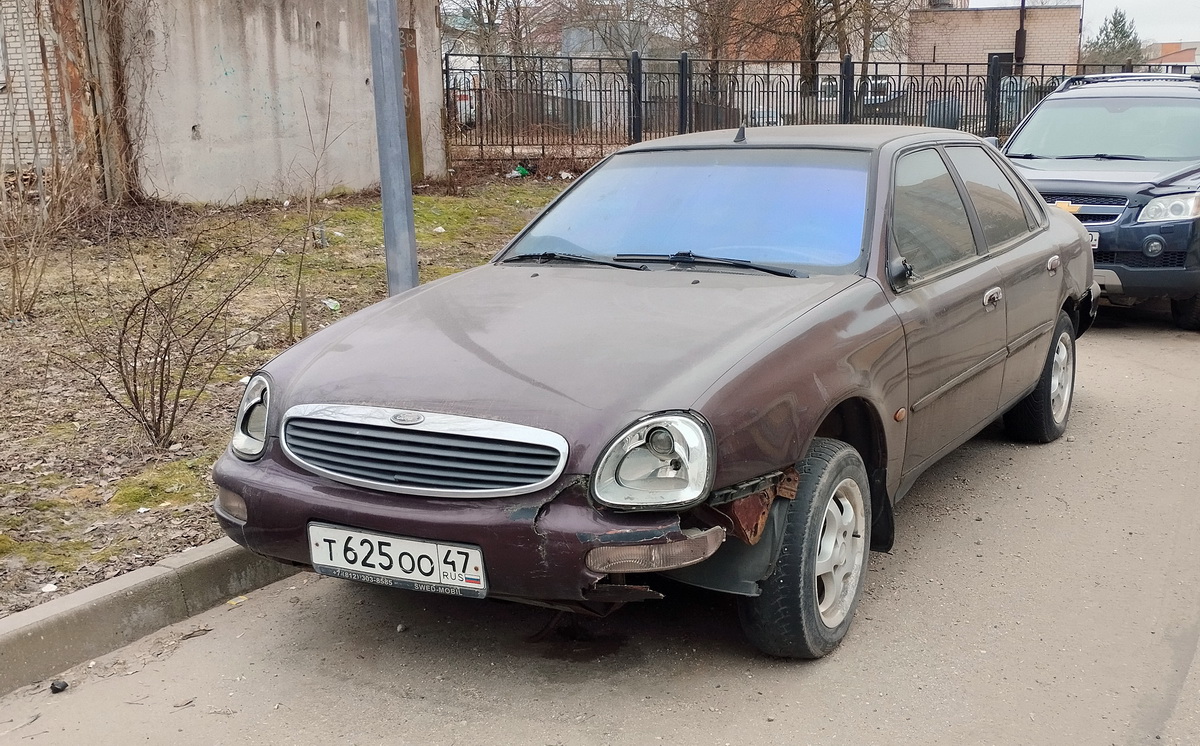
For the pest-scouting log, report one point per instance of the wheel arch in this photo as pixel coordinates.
(856, 421)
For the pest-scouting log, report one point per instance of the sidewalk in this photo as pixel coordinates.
(39, 642)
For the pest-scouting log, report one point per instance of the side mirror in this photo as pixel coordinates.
(899, 271)
(993, 141)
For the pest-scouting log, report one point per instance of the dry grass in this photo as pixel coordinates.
(83, 495)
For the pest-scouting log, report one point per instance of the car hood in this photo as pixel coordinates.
(1112, 176)
(582, 351)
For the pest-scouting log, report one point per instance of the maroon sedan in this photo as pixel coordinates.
(720, 357)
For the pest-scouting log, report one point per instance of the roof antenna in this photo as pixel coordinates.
(741, 133)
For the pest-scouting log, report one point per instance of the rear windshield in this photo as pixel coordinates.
(1154, 128)
(796, 208)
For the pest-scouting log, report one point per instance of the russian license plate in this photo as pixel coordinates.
(1095, 239)
(434, 567)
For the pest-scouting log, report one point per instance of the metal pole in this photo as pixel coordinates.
(992, 98)
(846, 107)
(685, 89)
(395, 181)
(635, 97)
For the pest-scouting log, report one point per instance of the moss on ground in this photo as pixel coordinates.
(64, 556)
(171, 483)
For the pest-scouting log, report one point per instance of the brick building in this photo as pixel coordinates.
(33, 113)
(966, 35)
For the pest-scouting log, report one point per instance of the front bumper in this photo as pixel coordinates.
(534, 546)
(1123, 268)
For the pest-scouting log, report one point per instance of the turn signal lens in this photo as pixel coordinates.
(231, 504)
(698, 546)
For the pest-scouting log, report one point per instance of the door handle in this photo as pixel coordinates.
(992, 297)
(1053, 264)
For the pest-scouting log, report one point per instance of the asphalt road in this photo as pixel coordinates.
(1036, 595)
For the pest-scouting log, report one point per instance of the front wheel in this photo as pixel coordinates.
(808, 601)
(1185, 312)
(1042, 416)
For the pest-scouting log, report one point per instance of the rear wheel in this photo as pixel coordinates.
(1042, 416)
(808, 602)
(1186, 313)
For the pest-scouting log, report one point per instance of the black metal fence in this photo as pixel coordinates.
(505, 107)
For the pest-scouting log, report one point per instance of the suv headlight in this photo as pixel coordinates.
(250, 427)
(664, 461)
(1174, 207)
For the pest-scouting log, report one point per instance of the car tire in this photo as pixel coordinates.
(1186, 313)
(808, 600)
(1041, 417)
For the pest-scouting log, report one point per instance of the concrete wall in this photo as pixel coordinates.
(423, 17)
(246, 96)
(960, 35)
(25, 29)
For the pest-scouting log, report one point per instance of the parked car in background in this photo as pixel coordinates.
(764, 118)
(719, 357)
(1122, 153)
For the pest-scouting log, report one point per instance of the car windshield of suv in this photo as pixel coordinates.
(1152, 128)
(803, 209)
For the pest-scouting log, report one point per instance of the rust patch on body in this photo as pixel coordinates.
(748, 515)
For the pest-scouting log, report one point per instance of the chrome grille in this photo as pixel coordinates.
(441, 455)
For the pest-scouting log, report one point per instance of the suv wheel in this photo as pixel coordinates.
(1186, 313)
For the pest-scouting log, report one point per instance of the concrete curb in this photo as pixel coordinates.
(40, 642)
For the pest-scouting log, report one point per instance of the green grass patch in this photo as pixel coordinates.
(175, 483)
(64, 556)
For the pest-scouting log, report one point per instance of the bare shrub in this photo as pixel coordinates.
(36, 208)
(160, 321)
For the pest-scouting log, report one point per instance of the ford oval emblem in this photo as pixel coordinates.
(408, 418)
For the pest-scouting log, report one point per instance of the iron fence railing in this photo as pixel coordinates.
(508, 107)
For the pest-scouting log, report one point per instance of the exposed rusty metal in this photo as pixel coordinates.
(788, 484)
(747, 515)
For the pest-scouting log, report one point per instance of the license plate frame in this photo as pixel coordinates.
(433, 566)
(1095, 239)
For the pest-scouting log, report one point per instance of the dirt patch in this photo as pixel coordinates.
(83, 495)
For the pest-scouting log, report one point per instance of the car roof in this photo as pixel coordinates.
(1157, 85)
(857, 136)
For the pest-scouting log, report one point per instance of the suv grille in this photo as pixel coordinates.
(1086, 199)
(443, 455)
(1138, 260)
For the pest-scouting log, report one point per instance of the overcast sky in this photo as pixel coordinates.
(1155, 20)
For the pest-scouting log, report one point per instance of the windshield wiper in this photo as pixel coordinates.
(687, 257)
(554, 256)
(1105, 157)
(1030, 156)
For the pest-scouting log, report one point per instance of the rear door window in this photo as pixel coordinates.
(1000, 211)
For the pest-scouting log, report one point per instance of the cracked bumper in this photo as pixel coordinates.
(534, 546)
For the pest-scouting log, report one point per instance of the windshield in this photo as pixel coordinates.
(1154, 128)
(796, 208)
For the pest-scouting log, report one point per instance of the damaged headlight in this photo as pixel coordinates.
(664, 461)
(250, 427)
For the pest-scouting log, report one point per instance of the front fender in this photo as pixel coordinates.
(766, 409)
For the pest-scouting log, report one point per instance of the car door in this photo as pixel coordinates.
(1014, 236)
(951, 306)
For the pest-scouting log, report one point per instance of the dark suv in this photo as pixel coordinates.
(1122, 152)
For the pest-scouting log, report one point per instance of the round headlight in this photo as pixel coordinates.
(664, 461)
(250, 426)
